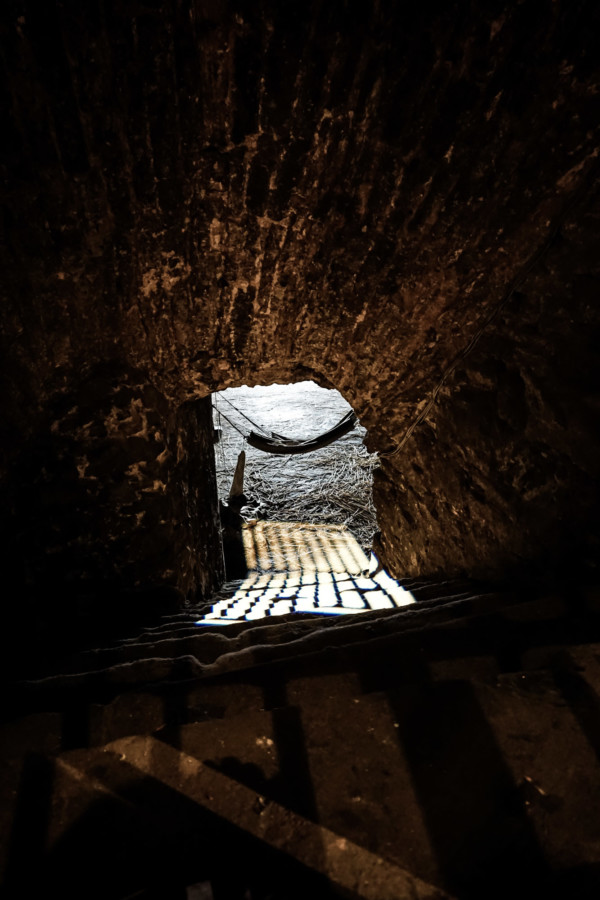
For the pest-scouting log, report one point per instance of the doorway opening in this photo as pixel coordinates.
(331, 485)
(297, 526)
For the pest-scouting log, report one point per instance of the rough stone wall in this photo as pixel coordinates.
(213, 193)
(113, 502)
(509, 454)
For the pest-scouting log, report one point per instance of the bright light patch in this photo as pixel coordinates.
(282, 608)
(325, 573)
(353, 600)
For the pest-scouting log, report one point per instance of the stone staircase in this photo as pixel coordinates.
(447, 748)
(177, 647)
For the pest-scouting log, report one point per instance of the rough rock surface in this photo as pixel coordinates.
(200, 195)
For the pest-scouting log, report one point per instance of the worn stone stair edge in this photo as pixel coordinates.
(312, 621)
(270, 628)
(148, 669)
(234, 626)
(187, 667)
(216, 640)
(280, 634)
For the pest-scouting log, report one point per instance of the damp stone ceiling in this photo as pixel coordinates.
(199, 195)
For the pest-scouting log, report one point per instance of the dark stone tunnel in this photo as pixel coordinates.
(198, 197)
(399, 201)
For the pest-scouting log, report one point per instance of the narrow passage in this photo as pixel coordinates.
(308, 519)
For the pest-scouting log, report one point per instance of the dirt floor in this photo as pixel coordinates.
(328, 486)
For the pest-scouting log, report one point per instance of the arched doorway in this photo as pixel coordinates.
(330, 485)
(297, 527)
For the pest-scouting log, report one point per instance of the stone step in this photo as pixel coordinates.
(202, 648)
(230, 627)
(490, 640)
(112, 705)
